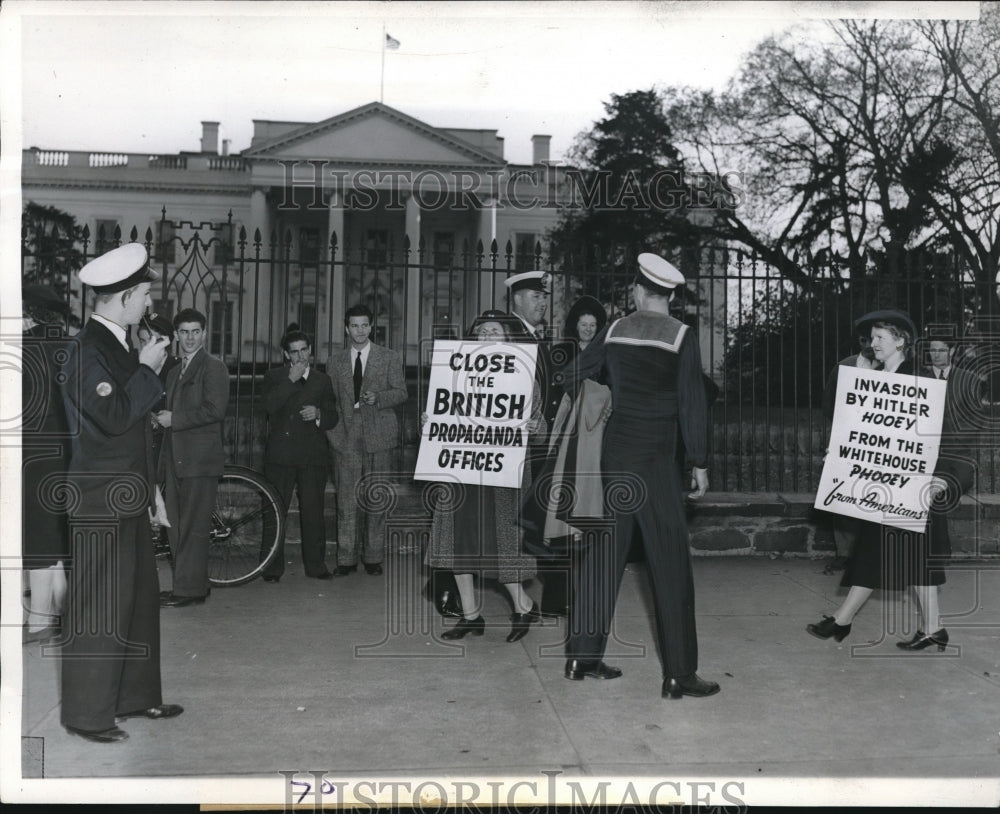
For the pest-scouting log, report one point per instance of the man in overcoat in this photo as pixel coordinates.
(369, 384)
(192, 457)
(111, 649)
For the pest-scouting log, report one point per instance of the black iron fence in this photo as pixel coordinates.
(769, 344)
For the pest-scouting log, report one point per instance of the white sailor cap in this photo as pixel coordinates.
(528, 280)
(119, 269)
(659, 272)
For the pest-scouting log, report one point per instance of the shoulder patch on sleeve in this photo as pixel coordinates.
(103, 389)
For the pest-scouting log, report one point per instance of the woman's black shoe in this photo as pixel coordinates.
(520, 622)
(449, 604)
(921, 641)
(827, 628)
(464, 627)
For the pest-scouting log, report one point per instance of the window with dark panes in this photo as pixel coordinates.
(524, 250)
(376, 248)
(104, 234)
(444, 249)
(165, 249)
(220, 329)
(308, 246)
(225, 247)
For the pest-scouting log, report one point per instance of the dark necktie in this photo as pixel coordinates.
(357, 378)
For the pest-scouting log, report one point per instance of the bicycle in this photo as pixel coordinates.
(248, 524)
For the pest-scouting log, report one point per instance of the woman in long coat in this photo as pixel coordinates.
(570, 486)
(475, 530)
(895, 559)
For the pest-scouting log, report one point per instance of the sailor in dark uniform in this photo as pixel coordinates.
(652, 364)
(111, 646)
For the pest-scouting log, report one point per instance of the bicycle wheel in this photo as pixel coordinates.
(248, 524)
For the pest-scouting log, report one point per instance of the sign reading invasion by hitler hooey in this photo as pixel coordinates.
(478, 408)
(883, 447)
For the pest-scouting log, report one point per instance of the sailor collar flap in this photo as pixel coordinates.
(643, 329)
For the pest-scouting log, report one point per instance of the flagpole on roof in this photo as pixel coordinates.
(381, 88)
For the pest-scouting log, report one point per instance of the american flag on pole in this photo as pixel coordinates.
(391, 43)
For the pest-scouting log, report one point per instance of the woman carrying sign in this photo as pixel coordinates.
(892, 558)
(475, 528)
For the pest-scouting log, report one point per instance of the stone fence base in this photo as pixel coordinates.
(734, 524)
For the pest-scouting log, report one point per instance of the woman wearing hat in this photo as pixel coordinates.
(901, 558)
(480, 534)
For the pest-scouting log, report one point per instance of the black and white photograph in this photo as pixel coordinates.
(485, 405)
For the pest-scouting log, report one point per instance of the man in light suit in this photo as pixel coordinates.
(192, 457)
(368, 381)
(300, 407)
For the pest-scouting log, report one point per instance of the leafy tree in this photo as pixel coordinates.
(627, 195)
(873, 147)
(49, 249)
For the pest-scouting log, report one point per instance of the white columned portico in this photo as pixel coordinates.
(257, 285)
(489, 289)
(413, 292)
(338, 277)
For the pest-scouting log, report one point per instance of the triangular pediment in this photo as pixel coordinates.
(373, 133)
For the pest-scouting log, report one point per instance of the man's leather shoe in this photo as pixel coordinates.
(113, 735)
(271, 578)
(324, 575)
(688, 685)
(175, 601)
(344, 570)
(161, 711)
(577, 670)
(374, 569)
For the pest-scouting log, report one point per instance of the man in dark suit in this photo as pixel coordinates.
(111, 653)
(529, 300)
(300, 407)
(369, 384)
(192, 457)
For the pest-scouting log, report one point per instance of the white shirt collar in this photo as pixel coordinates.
(530, 328)
(120, 333)
(364, 353)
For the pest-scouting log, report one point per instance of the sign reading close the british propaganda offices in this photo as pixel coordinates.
(883, 447)
(478, 408)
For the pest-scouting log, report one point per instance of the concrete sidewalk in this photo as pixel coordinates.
(350, 678)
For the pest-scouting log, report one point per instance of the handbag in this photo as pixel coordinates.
(441, 590)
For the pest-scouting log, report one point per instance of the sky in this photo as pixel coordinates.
(141, 76)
